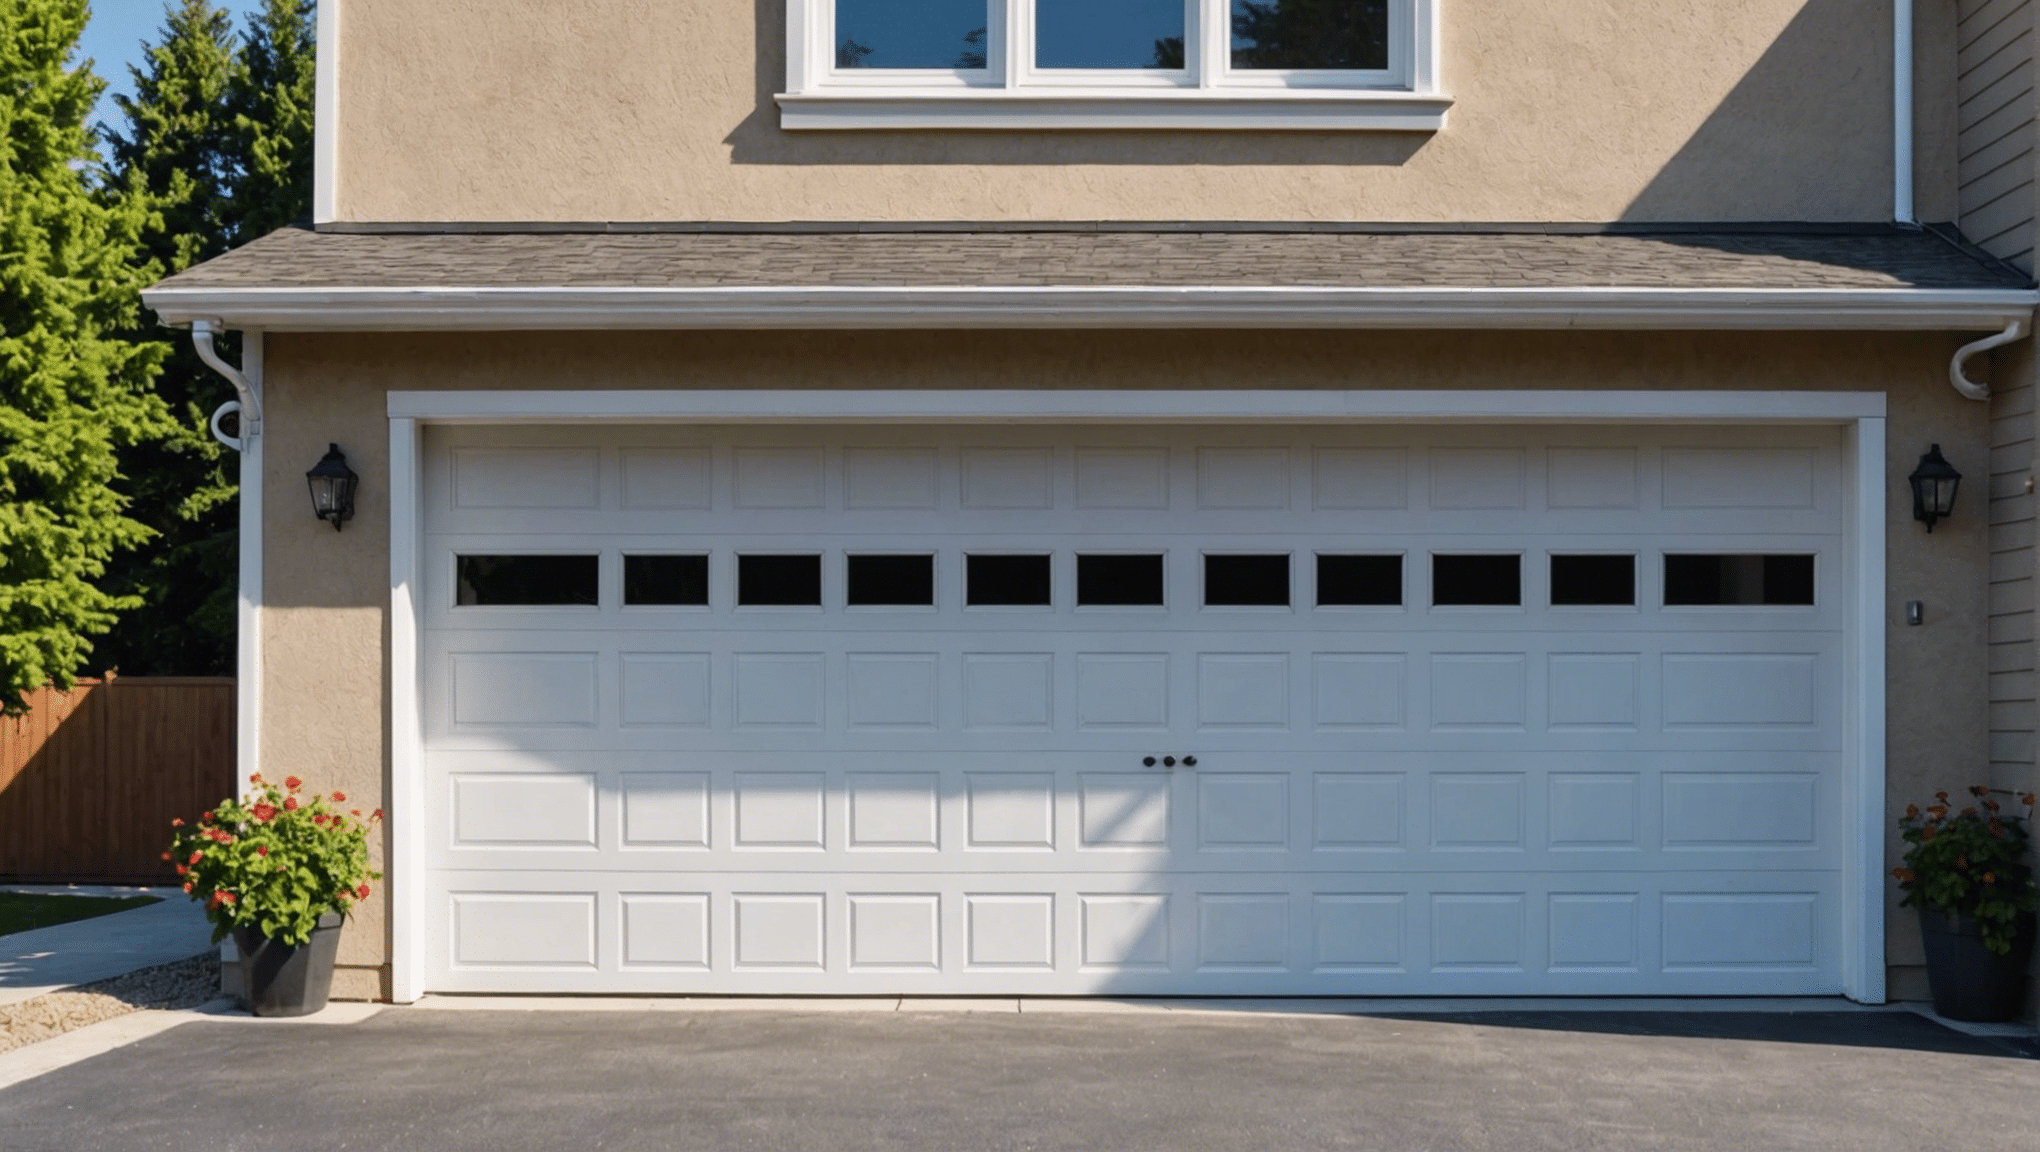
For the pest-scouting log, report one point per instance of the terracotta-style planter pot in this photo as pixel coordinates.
(282, 980)
(1969, 981)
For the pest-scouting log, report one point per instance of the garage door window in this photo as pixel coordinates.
(1119, 581)
(1476, 580)
(1246, 581)
(1593, 581)
(1007, 581)
(665, 581)
(1360, 581)
(527, 581)
(1738, 579)
(779, 581)
(889, 581)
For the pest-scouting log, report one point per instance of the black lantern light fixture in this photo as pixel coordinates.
(332, 484)
(1933, 487)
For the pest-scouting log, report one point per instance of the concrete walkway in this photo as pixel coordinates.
(49, 959)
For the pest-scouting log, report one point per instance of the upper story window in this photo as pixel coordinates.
(1318, 64)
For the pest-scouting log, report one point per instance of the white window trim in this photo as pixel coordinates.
(1010, 93)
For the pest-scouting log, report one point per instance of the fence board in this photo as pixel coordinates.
(91, 778)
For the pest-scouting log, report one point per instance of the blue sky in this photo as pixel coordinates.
(113, 39)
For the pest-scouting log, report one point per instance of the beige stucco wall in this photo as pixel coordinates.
(1567, 110)
(325, 625)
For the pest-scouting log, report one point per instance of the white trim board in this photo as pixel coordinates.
(447, 308)
(1128, 406)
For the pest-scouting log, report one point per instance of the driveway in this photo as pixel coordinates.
(505, 1081)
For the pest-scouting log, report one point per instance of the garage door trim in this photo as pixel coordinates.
(1860, 415)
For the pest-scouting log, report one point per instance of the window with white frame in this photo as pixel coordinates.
(1112, 63)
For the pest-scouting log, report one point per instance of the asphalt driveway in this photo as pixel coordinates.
(419, 1079)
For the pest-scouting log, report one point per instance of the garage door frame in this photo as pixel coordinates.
(1860, 416)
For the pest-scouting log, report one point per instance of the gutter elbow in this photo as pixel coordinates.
(247, 403)
(1958, 374)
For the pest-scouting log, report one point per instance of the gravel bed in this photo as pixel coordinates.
(184, 984)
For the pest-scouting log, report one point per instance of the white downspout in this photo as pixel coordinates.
(247, 382)
(1971, 389)
(1902, 209)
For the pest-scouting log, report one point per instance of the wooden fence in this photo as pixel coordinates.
(91, 778)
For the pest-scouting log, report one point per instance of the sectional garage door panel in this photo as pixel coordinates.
(1534, 710)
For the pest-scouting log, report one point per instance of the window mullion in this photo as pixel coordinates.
(1212, 19)
(1016, 17)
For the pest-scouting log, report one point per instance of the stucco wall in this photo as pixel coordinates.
(1580, 110)
(325, 621)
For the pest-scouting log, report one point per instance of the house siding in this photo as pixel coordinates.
(1995, 125)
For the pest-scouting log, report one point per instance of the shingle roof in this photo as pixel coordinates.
(1016, 257)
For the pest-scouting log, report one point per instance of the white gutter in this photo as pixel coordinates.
(453, 309)
(1902, 209)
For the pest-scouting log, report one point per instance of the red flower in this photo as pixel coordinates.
(290, 804)
(375, 815)
(262, 850)
(263, 813)
(362, 892)
(187, 885)
(255, 778)
(183, 871)
(293, 783)
(357, 813)
(177, 823)
(226, 897)
(339, 797)
(196, 855)
(320, 820)
(166, 855)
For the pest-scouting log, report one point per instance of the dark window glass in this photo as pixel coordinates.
(1738, 579)
(1005, 580)
(910, 33)
(1108, 33)
(1486, 580)
(890, 580)
(1593, 580)
(1246, 580)
(528, 580)
(1310, 34)
(779, 581)
(665, 579)
(1371, 581)
(1119, 580)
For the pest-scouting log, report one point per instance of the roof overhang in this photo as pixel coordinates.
(330, 309)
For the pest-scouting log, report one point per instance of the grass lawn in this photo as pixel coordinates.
(21, 911)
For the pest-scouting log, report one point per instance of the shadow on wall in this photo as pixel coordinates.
(757, 139)
(1835, 145)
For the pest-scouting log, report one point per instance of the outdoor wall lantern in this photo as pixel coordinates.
(332, 484)
(1933, 486)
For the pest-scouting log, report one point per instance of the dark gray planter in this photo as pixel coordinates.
(1969, 981)
(281, 980)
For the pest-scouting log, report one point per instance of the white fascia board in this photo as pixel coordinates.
(1113, 108)
(462, 309)
(1122, 406)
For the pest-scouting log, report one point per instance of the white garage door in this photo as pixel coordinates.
(1186, 710)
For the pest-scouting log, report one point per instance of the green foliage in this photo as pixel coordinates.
(275, 860)
(72, 396)
(218, 147)
(1970, 864)
(176, 157)
(271, 99)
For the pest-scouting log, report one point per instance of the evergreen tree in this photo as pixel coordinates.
(175, 158)
(272, 99)
(71, 395)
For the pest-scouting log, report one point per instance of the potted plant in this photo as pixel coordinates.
(1968, 874)
(278, 868)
